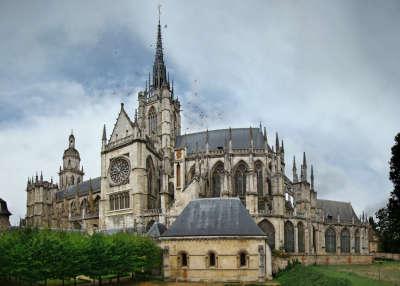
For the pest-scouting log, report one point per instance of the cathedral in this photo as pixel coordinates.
(150, 173)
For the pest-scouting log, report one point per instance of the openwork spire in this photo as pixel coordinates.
(159, 69)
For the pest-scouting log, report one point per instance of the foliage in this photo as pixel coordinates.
(279, 253)
(33, 255)
(388, 225)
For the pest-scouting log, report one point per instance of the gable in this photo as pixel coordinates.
(123, 127)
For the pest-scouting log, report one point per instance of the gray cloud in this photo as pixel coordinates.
(325, 75)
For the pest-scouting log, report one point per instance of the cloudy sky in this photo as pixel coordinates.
(325, 75)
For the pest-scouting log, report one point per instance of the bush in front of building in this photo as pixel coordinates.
(30, 255)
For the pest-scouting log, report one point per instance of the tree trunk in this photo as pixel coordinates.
(63, 282)
(118, 279)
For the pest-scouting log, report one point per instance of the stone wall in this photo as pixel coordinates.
(281, 263)
(393, 256)
(227, 266)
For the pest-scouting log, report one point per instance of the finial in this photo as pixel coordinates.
(149, 81)
(277, 142)
(260, 127)
(283, 148)
(41, 176)
(304, 159)
(145, 89)
(295, 177)
(312, 177)
(122, 105)
(104, 137)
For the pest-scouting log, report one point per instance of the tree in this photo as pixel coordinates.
(388, 224)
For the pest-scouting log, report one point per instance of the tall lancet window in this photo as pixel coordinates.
(217, 180)
(260, 188)
(152, 120)
(240, 182)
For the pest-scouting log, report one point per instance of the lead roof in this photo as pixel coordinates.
(214, 217)
(218, 139)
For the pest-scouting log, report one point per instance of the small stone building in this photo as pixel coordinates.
(215, 239)
(4, 215)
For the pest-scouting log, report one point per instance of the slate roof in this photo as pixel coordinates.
(335, 208)
(156, 230)
(82, 189)
(218, 138)
(3, 208)
(214, 217)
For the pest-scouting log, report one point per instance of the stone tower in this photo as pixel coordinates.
(39, 202)
(136, 160)
(4, 215)
(159, 115)
(71, 173)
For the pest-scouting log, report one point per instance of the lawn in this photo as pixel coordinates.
(385, 273)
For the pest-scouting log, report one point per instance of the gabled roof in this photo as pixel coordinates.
(335, 208)
(219, 138)
(156, 230)
(123, 126)
(82, 189)
(214, 217)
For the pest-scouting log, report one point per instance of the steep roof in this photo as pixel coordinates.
(335, 208)
(219, 138)
(156, 230)
(82, 189)
(214, 217)
(3, 208)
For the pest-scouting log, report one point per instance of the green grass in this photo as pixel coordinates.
(376, 274)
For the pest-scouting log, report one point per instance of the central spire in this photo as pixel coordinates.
(159, 69)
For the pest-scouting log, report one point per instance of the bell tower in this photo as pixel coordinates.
(71, 173)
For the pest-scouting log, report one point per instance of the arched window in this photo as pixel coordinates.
(330, 240)
(314, 240)
(191, 174)
(178, 175)
(83, 207)
(171, 193)
(345, 241)
(96, 204)
(243, 259)
(183, 259)
(217, 179)
(259, 174)
(152, 194)
(269, 230)
(269, 186)
(212, 259)
(260, 185)
(300, 236)
(240, 182)
(289, 236)
(357, 241)
(152, 117)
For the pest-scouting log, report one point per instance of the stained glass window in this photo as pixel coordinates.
(330, 240)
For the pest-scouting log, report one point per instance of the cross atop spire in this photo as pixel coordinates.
(159, 69)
